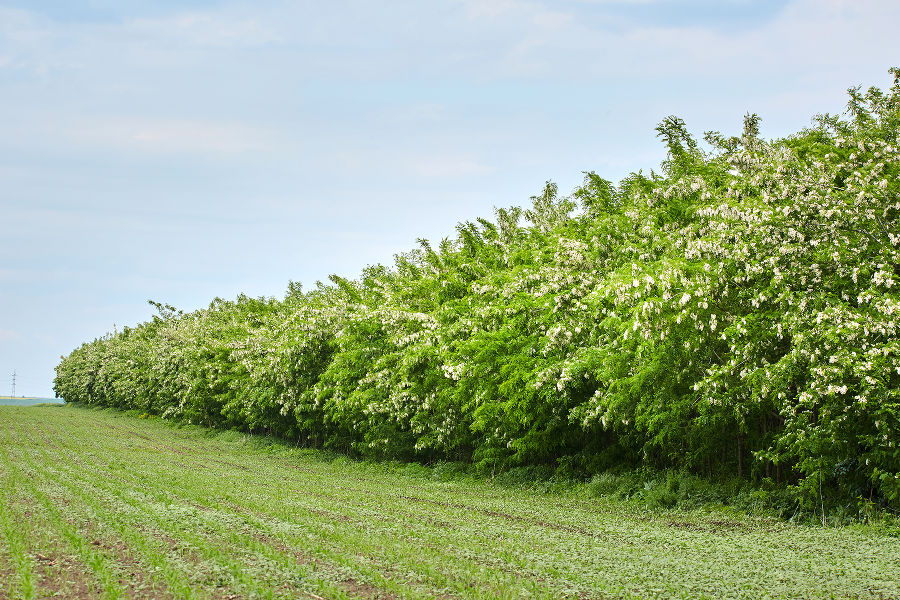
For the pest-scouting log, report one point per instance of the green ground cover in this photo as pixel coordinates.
(104, 504)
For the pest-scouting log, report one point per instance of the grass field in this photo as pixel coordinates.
(102, 504)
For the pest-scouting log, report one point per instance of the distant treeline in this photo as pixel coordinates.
(735, 313)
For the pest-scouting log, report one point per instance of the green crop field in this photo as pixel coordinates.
(102, 504)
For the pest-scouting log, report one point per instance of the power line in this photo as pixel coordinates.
(14, 384)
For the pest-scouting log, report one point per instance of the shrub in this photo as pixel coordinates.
(734, 315)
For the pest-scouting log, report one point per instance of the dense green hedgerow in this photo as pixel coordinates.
(736, 313)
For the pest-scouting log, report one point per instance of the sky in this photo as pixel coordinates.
(179, 151)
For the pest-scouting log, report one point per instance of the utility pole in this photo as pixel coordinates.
(14, 384)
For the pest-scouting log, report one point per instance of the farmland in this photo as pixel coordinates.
(96, 503)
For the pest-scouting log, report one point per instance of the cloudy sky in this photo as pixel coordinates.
(183, 150)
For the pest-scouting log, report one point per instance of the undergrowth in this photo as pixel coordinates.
(643, 488)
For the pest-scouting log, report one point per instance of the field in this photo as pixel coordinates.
(102, 504)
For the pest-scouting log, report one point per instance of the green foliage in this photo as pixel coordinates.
(734, 315)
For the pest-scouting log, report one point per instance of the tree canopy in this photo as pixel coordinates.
(736, 311)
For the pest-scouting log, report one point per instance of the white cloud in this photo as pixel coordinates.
(551, 19)
(218, 29)
(397, 162)
(446, 166)
(806, 38)
(477, 9)
(29, 43)
(532, 13)
(621, 2)
(9, 335)
(174, 135)
(20, 26)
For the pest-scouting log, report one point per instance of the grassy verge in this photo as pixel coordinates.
(137, 508)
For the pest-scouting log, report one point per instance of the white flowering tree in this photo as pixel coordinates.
(734, 313)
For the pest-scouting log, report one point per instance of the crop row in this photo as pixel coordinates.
(147, 510)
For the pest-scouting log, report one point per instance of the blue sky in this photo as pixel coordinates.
(179, 151)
